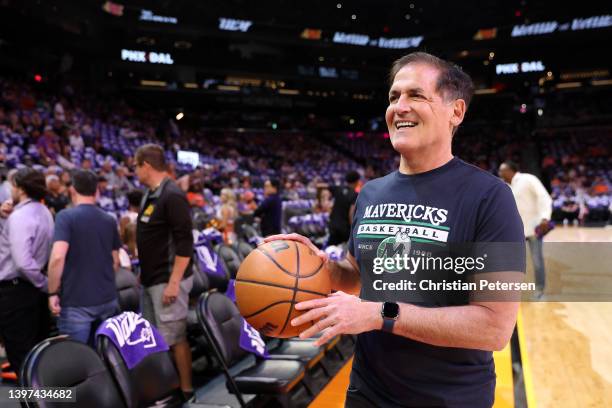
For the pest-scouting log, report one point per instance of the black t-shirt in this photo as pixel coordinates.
(270, 210)
(425, 215)
(88, 278)
(57, 202)
(164, 230)
(344, 197)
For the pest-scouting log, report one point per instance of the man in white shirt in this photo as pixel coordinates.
(535, 208)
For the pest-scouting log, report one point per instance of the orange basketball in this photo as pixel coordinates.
(272, 279)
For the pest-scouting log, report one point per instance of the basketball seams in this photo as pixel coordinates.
(295, 287)
(254, 282)
(279, 266)
(280, 302)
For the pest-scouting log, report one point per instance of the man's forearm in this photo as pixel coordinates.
(470, 326)
(178, 269)
(56, 267)
(344, 277)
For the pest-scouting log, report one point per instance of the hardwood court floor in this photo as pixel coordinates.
(568, 345)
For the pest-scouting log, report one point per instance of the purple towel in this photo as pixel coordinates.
(209, 261)
(251, 341)
(134, 337)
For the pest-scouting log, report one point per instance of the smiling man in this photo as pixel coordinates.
(418, 347)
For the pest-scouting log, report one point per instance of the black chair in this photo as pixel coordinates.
(154, 382)
(243, 249)
(249, 232)
(230, 258)
(128, 290)
(222, 323)
(59, 362)
(212, 281)
(200, 283)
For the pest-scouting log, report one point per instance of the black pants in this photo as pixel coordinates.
(24, 320)
(338, 235)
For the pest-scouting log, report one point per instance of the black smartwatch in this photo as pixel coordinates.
(390, 313)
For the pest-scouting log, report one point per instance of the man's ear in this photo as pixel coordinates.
(459, 109)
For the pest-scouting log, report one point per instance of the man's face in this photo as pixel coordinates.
(86, 165)
(53, 185)
(269, 188)
(142, 172)
(419, 119)
(506, 173)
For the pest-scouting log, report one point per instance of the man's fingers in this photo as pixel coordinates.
(299, 238)
(317, 327)
(310, 316)
(327, 336)
(311, 304)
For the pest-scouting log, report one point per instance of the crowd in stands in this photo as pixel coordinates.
(58, 134)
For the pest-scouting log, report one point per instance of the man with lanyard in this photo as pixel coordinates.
(165, 246)
(417, 346)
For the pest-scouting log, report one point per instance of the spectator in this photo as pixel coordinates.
(76, 141)
(165, 246)
(83, 262)
(535, 208)
(48, 146)
(25, 242)
(55, 199)
(341, 216)
(323, 202)
(5, 187)
(227, 215)
(127, 224)
(270, 209)
(247, 203)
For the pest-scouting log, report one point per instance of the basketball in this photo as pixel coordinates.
(272, 279)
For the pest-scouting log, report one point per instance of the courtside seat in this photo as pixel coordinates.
(230, 258)
(154, 382)
(222, 323)
(59, 362)
(200, 283)
(128, 290)
(243, 249)
(305, 351)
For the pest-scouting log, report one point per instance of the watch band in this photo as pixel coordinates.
(388, 325)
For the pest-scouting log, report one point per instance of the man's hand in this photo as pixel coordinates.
(6, 208)
(54, 305)
(298, 238)
(170, 294)
(339, 313)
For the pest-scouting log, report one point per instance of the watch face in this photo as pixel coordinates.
(390, 310)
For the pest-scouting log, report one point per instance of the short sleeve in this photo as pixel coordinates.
(179, 219)
(62, 227)
(499, 231)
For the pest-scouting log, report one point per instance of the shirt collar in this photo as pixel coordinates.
(22, 203)
(157, 192)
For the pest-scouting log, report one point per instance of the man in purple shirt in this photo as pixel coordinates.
(25, 244)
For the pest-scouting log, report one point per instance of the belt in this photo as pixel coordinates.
(12, 282)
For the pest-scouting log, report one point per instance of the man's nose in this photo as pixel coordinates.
(403, 104)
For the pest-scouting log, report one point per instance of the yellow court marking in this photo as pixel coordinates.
(527, 378)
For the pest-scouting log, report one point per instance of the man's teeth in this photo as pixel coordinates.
(400, 125)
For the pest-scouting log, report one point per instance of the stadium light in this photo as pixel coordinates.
(180, 115)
